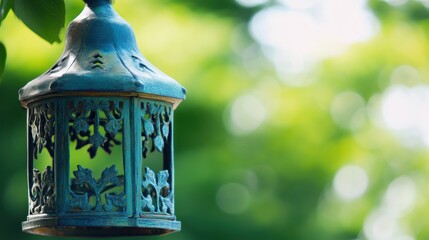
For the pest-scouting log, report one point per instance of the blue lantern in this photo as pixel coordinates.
(100, 135)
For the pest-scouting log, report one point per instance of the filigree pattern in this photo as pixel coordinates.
(99, 114)
(156, 195)
(115, 201)
(84, 186)
(42, 123)
(42, 194)
(155, 126)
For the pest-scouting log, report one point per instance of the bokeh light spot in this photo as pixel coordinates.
(381, 225)
(233, 198)
(396, 2)
(299, 4)
(300, 33)
(348, 110)
(247, 114)
(405, 111)
(350, 182)
(406, 75)
(251, 3)
(397, 108)
(401, 194)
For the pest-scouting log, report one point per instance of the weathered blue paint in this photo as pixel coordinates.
(102, 87)
(101, 55)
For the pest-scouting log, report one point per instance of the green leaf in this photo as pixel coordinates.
(5, 6)
(43, 17)
(2, 58)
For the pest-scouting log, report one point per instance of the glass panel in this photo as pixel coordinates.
(96, 157)
(41, 124)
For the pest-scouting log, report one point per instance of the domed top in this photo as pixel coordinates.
(101, 55)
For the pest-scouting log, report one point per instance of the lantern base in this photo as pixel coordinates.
(99, 227)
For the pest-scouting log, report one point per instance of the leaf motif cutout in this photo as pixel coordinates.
(113, 126)
(166, 204)
(149, 178)
(156, 195)
(113, 200)
(97, 105)
(153, 109)
(87, 186)
(148, 127)
(109, 175)
(48, 128)
(148, 203)
(163, 179)
(42, 192)
(80, 125)
(83, 175)
(80, 201)
(34, 131)
(165, 130)
(97, 140)
(159, 143)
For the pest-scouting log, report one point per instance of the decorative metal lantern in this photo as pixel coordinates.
(100, 144)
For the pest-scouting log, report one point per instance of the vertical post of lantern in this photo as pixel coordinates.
(127, 155)
(29, 160)
(136, 155)
(169, 158)
(101, 98)
(61, 156)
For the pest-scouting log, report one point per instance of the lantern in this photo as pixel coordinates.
(100, 135)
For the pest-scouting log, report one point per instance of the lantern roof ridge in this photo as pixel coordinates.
(101, 55)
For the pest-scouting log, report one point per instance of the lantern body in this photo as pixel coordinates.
(100, 136)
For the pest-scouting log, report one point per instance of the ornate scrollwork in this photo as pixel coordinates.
(96, 113)
(156, 195)
(42, 192)
(155, 125)
(84, 186)
(42, 123)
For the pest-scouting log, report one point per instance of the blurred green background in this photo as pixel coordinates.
(304, 119)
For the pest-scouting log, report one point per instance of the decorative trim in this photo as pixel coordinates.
(155, 119)
(42, 192)
(156, 195)
(42, 123)
(84, 186)
(25, 102)
(84, 113)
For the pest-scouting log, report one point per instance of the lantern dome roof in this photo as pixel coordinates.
(101, 55)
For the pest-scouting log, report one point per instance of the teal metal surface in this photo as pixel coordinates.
(101, 55)
(102, 97)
